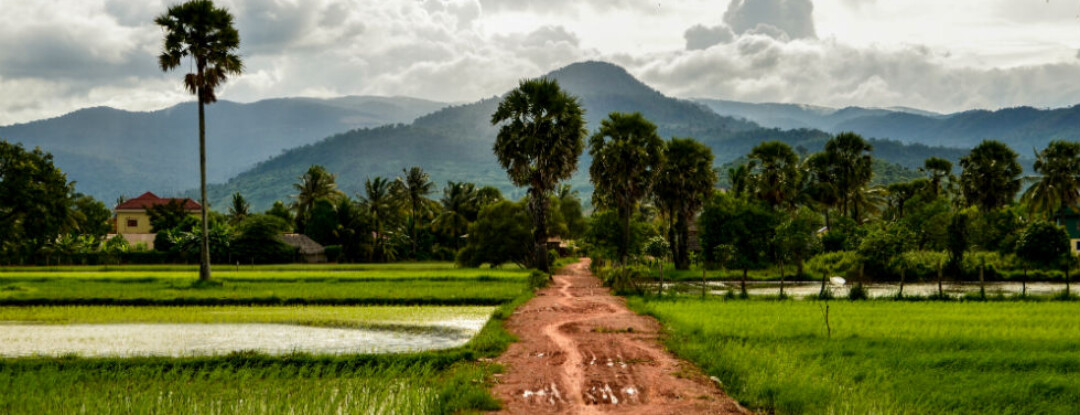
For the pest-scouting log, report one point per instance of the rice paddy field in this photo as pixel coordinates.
(240, 344)
(883, 357)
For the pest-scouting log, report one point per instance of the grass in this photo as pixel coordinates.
(433, 284)
(883, 357)
(441, 382)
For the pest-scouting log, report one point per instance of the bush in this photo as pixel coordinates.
(333, 252)
(624, 280)
(539, 279)
(857, 292)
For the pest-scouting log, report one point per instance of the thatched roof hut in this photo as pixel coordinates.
(308, 249)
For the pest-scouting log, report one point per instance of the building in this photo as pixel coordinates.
(1070, 219)
(308, 249)
(133, 220)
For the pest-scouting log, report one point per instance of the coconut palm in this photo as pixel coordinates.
(991, 176)
(413, 188)
(539, 141)
(627, 154)
(1058, 185)
(682, 186)
(379, 203)
(204, 33)
(240, 208)
(315, 184)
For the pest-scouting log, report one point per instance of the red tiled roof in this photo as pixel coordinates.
(147, 200)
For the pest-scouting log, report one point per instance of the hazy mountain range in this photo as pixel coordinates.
(259, 149)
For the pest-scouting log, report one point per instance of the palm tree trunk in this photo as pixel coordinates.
(1023, 283)
(900, 294)
(624, 247)
(781, 280)
(539, 208)
(982, 279)
(204, 260)
(744, 270)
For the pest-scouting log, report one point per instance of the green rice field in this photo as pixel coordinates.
(883, 357)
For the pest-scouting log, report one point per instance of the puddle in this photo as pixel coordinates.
(125, 340)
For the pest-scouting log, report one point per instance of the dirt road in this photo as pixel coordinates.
(583, 352)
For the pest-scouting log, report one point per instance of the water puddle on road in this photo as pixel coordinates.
(175, 340)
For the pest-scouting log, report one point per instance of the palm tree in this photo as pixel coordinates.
(774, 167)
(821, 185)
(851, 165)
(381, 206)
(991, 176)
(682, 185)
(240, 208)
(627, 154)
(541, 136)
(939, 170)
(740, 179)
(205, 33)
(315, 184)
(460, 208)
(414, 188)
(1059, 184)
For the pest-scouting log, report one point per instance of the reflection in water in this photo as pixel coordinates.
(955, 289)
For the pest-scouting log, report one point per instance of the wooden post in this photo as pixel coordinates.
(900, 294)
(982, 279)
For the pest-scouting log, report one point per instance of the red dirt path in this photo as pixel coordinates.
(583, 352)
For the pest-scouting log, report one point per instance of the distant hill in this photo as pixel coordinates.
(1023, 128)
(455, 143)
(110, 152)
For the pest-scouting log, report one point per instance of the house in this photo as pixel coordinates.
(1070, 219)
(309, 250)
(133, 220)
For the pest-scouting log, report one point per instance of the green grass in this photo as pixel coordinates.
(194, 268)
(440, 382)
(434, 284)
(883, 357)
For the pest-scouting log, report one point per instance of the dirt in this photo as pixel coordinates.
(582, 351)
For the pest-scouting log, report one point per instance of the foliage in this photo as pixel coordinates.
(539, 141)
(89, 216)
(33, 199)
(259, 241)
(682, 185)
(1059, 184)
(605, 233)
(796, 238)
(499, 235)
(312, 186)
(627, 154)
(748, 226)
(991, 176)
(774, 173)
(280, 210)
(842, 263)
(1042, 244)
(239, 210)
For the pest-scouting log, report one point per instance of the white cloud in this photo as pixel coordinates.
(793, 17)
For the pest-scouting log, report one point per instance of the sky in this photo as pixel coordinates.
(57, 56)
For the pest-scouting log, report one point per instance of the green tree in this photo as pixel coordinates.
(414, 188)
(820, 186)
(167, 215)
(460, 208)
(280, 210)
(1041, 245)
(626, 155)
(851, 166)
(499, 235)
(774, 172)
(200, 31)
(239, 210)
(796, 240)
(939, 171)
(381, 205)
(682, 186)
(323, 222)
(959, 240)
(315, 184)
(569, 207)
(991, 176)
(89, 216)
(259, 240)
(746, 225)
(541, 135)
(34, 199)
(740, 179)
(1058, 185)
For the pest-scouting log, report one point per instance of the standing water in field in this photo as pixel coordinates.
(98, 340)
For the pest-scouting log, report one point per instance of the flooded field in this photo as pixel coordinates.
(121, 340)
(956, 289)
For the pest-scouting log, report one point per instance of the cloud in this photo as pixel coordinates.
(793, 17)
(701, 37)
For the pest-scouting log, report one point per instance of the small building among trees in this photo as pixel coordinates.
(133, 216)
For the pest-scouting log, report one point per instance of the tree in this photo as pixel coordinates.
(1040, 245)
(938, 170)
(821, 187)
(774, 169)
(280, 210)
(34, 199)
(167, 215)
(89, 216)
(380, 204)
(848, 161)
(682, 186)
(315, 184)
(746, 225)
(499, 235)
(414, 189)
(200, 31)
(259, 240)
(740, 179)
(991, 176)
(540, 138)
(569, 206)
(460, 208)
(1059, 184)
(627, 155)
(658, 248)
(796, 240)
(239, 210)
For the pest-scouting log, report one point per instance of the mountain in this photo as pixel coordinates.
(1022, 128)
(455, 143)
(109, 152)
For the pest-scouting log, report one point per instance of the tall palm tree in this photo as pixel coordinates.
(1058, 185)
(240, 208)
(459, 208)
(740, 179)
(315, 184)
(775, 170)
(851, 166)
(991, 176)
(939, 171)
(414, 187)
(380, 204)
(820, 186)
(627, 154)
(541, 136)
(200, 31)
(682, 186)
